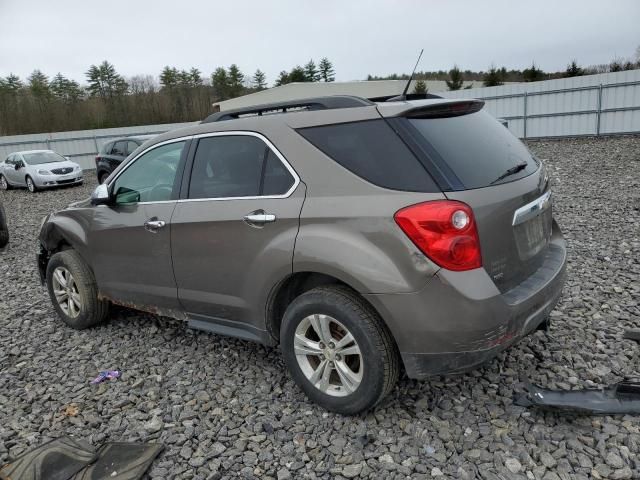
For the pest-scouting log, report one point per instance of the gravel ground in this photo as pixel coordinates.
(226, 408)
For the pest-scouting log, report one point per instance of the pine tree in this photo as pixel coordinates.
(195, 77)
(311, 72)
(69, 91)
(169, 77)
(297, 74)
(326, 70)
(573, 70)
(259, 80)
(236, 81)
(455, 79)
(39, 85)
(494, 77)
(220, 83)
(12, 84)
(533, 74)
(104, 81)
(283, 79)
(420, 88)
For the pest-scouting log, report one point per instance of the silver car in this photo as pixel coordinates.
(38, 169)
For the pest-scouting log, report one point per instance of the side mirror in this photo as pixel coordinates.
(100, 195)
(19, 165)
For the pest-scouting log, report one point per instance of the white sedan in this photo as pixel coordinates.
(36, 169)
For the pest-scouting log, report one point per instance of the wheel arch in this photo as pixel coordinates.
(294, 285)
(59, 234)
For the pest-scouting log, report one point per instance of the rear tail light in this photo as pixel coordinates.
(445, 231)
(97, 160)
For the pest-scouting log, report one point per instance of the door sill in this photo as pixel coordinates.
(229, 328)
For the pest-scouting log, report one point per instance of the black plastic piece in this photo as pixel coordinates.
(58, 459)
(318, 103)
(408, 96)
(121, 461)
(632, 334)
(621, 398)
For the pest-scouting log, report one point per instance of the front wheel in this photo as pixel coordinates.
(338, 350)
(73, 291)
(4, 184)
(31, 186)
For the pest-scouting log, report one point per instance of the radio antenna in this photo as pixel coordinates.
(406, 88)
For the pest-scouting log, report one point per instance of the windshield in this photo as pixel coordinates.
(38, 158)
(476, 148)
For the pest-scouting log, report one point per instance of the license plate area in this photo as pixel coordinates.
(533, 235)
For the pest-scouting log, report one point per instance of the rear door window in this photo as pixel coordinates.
(237, 166)
(373, 151)
(475, 147)
(118, 149)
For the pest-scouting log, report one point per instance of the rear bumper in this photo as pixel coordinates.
(460, 320)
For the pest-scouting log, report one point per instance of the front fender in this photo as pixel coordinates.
(65, 228)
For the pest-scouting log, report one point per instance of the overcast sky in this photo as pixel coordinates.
(359, 36)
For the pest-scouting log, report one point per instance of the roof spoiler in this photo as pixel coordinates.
(456, 108)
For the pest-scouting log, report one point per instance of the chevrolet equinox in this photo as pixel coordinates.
(362, 238)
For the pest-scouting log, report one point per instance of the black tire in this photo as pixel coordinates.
(4, 185)
(92, 310)
(4, 230)
(33, 188)
(103, 177)
(380, 357)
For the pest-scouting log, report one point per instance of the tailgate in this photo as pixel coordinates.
(514, 224)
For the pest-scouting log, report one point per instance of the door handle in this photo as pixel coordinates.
(259, 218)
(153, 224)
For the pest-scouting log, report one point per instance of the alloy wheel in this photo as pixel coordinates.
(66, 292)
(30, 185)
(328, 355)
(3, 183)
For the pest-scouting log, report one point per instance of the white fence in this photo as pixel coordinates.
(603, 104)
(81, 145)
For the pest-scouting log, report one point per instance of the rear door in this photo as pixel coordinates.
(233, 233)
(479, 162)
(130, 241)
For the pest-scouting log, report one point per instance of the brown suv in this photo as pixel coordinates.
(360, 237)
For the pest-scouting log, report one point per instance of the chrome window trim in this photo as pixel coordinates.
(287, 194)
(532, 209)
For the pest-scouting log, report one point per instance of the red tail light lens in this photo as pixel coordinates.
(445, 231)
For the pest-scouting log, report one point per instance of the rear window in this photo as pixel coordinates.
(373, 151)
(475, 147)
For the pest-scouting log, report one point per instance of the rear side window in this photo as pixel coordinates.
(131, 146)
(476, 148)
(237, 166)
(373, 151)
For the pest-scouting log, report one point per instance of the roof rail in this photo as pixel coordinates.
(318, 103)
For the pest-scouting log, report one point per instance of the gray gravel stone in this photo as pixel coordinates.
(230, 407)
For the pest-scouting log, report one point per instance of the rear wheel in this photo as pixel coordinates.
(73, 291)
(103, 177)
(338, 350)
(4, 184)
(31, 186)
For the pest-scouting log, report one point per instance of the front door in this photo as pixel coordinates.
(130, 240)
(233, 236)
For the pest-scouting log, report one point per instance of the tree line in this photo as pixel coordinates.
(495, 76)
(108, 99)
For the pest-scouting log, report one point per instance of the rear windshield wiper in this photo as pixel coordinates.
(511, 171)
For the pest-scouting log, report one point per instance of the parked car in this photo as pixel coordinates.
(38, 169)
(360, 237)
(114, 152)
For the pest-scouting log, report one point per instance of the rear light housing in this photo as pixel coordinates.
(97, 160)
(445, 231)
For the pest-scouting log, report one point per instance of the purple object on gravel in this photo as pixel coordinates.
(106, 375)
